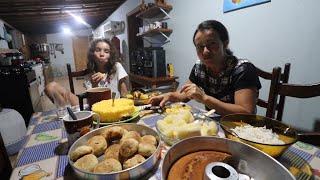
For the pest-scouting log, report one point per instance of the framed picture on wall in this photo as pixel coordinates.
(232, 5)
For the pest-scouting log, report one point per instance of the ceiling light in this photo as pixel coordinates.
(79, 19)
(67, 30)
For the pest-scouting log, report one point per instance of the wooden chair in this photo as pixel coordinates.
(296, 91)
(5, 165)
(269, 76)
(71, 75)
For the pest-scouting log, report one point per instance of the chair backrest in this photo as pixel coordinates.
(284, 77)
(71, 75)
(5, 165)
(291, 90)
(296, 91)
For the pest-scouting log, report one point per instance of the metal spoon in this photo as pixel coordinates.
(113, 96)
(72, 115)
(229, 130)
(202, 115)
(209, 112)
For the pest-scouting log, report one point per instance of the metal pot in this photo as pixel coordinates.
(245, 159)
(131, 173)
(43, 47)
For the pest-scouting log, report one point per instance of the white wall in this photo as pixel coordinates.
(3, 43)
(270, 34)
(59, 63)
(121, 15)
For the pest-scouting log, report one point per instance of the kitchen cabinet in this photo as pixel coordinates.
(47, 73)
(19, 90)
(35, 96)
(38, 69)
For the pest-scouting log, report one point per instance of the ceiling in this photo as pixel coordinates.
(48, 16)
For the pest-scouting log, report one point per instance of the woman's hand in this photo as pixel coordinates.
(159, 100)
(193, 91)
(96, 78)
(162, 99)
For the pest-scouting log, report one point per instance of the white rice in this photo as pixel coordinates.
(257, 134)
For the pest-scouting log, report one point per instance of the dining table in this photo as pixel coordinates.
(44, 151)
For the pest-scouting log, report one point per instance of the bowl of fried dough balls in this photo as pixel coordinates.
(122, 151)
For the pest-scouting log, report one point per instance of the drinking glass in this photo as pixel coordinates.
(61, 101)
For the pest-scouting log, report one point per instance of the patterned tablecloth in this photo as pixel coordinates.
(40, 156)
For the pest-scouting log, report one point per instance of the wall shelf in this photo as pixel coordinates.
(150, 15)
(154, 32)
(155, 12)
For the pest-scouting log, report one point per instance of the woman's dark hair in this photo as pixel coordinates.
(217, 27)
(114, 57)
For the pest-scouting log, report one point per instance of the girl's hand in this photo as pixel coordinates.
(192, 91)
(96, 78)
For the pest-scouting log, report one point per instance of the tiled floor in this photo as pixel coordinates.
(48, 105)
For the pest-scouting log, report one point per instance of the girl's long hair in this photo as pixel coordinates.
(110, 66)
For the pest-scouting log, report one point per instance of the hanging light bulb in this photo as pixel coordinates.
(66, 30)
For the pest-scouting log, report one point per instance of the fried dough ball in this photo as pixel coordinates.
(149, 139)
(131, 134)
(107, 166)
(128, 147)
(112, 152)
(87, 162)
(98, 144)
(136, 94)
(113, 133)
(146, 149)
(135, 160)
(80, 151)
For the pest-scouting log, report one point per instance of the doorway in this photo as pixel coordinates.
(80, 50)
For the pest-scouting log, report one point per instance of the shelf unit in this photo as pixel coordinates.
(155, 12)
(164, 32)
(154, 32)
(160, 14)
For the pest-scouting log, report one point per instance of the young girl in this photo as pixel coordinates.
(107, 72)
